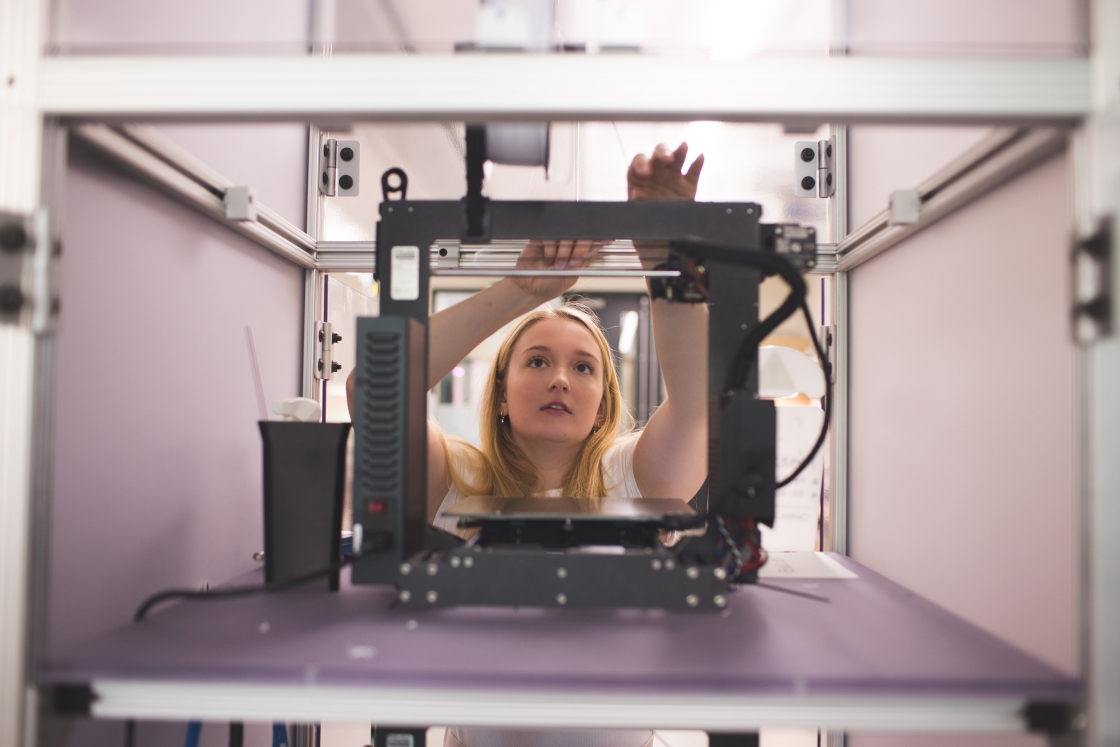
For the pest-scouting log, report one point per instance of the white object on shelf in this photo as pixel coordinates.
(298, 410)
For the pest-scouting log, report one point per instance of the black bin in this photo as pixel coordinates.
(304, 475)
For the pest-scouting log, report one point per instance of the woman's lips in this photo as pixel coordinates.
(556, 408)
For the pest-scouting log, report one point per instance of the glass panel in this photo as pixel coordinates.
(717, 29)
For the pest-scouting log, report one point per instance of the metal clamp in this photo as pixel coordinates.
(325, 338)
(338, 168)
(27, 257)
(1092, 284)
(813, 168)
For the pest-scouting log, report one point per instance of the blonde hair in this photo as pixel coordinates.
(500, 468)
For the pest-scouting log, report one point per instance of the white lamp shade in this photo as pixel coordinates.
(785, 372)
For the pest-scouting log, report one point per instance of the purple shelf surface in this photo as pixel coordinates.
(872, 638)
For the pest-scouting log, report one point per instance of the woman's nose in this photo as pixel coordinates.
(559, 380)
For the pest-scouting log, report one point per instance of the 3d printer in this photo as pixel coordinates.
(542, 553)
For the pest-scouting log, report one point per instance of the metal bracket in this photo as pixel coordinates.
(827, 334)
(448, 257)
(325, 339)
(27, 258)
(339, 168)
(796, 243)
(1092, 284)
(813, 168)
(239, 204)
(906, 207)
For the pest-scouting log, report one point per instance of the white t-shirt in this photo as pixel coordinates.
(618, 474)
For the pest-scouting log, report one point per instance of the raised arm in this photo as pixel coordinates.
(670, 459)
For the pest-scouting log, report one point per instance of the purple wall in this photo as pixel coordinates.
(962, 415)
(962, 480)
(157, 453)
(271, 158)
(157, 471)
(157, 459)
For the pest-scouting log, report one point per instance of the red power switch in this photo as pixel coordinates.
(378, 508)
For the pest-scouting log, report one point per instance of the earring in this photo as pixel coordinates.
(595, 428)
(503, 419)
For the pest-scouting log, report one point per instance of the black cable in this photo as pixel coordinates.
(771, 264)
(375, 544)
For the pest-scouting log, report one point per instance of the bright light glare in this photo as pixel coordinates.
(628, 332)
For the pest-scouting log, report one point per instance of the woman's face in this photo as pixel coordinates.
(554, 383)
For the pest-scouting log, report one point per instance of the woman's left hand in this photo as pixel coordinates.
(661, 176)
(553, 255)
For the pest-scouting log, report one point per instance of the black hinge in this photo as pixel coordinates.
(1092, 284)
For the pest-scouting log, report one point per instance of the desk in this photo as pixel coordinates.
(875, 656)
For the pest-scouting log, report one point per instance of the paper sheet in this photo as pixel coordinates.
(803, 565)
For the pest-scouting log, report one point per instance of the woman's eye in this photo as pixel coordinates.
(536, 362)
(584, 368)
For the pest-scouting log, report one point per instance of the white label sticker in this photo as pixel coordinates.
(399, 740)
(405, 273)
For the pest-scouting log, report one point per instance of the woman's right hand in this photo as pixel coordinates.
(558, 255)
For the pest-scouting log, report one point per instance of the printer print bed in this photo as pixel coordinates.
(871, 637)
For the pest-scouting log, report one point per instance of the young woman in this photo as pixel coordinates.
(553, 419)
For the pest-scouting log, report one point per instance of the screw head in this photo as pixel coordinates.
(692, 600)
(455, 561)
(720, 600)
(468, 562)
(432, 597)
(561, 599)
(655, 564)
(670, 565)
(433, 569)
(346, 154)
(808, 154)
(693, 572)
(561, 573)
(11, 299)
(720, 573)
(806, 183)
(405, 595)
(405, 569)
(12, 237)
(346, 181)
